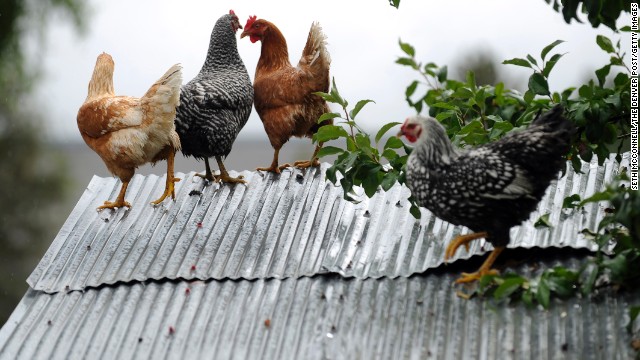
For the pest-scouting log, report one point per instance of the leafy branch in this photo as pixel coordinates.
(361, 162)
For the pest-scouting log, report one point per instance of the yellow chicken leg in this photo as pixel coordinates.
(462, 240)
(308, 163)
(119, 200)
(224, 175)
(274, 164)
(485, 269)
(171, 180)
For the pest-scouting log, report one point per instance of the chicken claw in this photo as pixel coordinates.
(169, 190)
(462, 240)
(304, 164)
(119, 200)
(113, 205)
(171, 180)
(485, 269)
(224, 175)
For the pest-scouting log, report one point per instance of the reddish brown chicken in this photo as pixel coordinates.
(283, 94)
(128, 132)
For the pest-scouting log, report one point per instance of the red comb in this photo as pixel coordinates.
(232, 12)
(250, 21)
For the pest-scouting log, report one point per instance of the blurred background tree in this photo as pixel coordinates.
(32, 178)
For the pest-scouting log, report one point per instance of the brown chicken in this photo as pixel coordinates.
(128, 132)
(284, 95)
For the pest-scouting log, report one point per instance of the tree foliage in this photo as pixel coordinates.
(32, 179)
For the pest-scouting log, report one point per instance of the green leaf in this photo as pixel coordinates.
(371, 181)
(443, 105)
(390, 155)
(602, 73)
(605, 44)
(550, 64)
(359, 107)
(543, 294)
(394, 3)
(532, 60)
(407, 62)
(384, 129)
(329, 150)
(326, 116)
(445, 115)
(518, 62)
(326, 97)
(571, 202)
(543, 221)
(411, 89)
(442, 74)
(528, 96)
(389, 180)
(329, 132)
(549, 47)
(407, 48)
(508, 287)
(415, 211)
(471, 80)
(336, 95)
(393, 143)
(538, 84)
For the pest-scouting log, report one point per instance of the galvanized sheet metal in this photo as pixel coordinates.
(292, 225)
(323, 317)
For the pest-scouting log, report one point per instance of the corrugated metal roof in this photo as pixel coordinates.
(322, 317)
(292, 225)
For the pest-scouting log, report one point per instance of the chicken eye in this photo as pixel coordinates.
(411, 126)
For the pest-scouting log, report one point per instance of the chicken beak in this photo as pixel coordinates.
(244, 33)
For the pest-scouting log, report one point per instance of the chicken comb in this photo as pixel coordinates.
(250, 21)
(231, 12)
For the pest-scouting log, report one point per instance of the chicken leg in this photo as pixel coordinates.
(224, 175)
(485, 269)
(171, 180)
(274, 164)
(208, 175)
(308, 163)
(119, 200)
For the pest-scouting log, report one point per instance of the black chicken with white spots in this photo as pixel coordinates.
(216, 104)
(490, 188)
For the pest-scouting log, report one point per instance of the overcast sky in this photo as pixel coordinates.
(146, 37)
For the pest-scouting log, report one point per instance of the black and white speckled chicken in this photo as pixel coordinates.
(216, 104)
(490, 188)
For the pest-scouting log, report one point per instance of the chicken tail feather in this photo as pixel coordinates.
(315, 53)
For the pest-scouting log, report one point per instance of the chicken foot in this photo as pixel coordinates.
(485, 269)
(304, 164)
(274, 164)
(208, 175)
(171, 180)
(224, 175)
(119, 200)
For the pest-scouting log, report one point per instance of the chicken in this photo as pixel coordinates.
(216, 104)
(284, 95)
(127, 132)
(490, 188)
